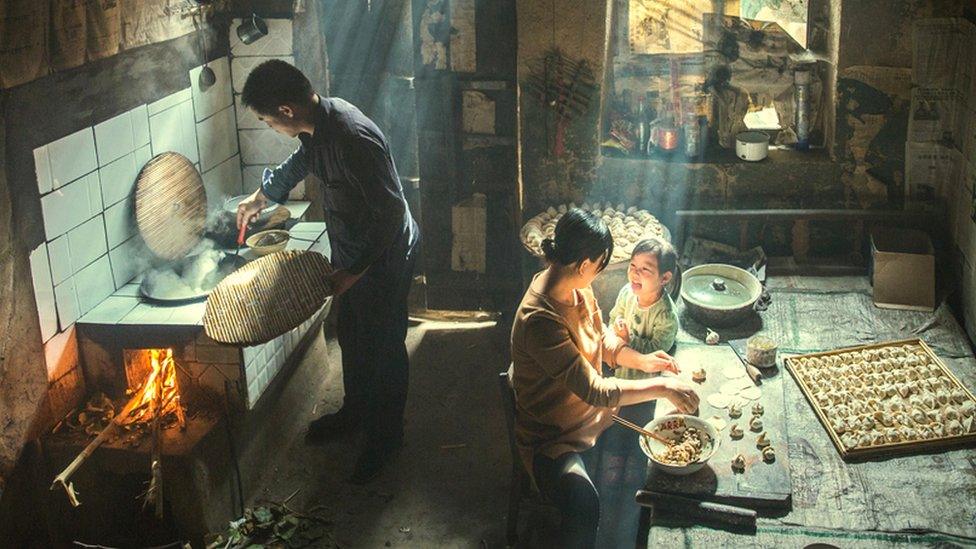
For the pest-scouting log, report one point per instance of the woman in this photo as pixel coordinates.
(562, 401)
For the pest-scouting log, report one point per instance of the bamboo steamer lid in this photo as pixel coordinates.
(267, 297)
(171, 205)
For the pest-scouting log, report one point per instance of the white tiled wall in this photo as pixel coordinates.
(87, 179)
(260, 145)
(263, 362)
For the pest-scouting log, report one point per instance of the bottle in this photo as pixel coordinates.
(642, 127)
(801, 79)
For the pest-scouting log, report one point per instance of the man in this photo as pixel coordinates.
(374, 245)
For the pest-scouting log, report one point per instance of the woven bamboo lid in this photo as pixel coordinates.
(171, 205)
(267, 297)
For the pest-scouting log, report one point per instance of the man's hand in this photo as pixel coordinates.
(342, 280)
(659, 361)
(620, 328)
(250, 207)
(681, 394)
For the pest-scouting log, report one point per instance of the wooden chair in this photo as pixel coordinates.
(520, 492)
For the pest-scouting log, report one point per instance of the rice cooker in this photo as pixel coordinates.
(752, 146)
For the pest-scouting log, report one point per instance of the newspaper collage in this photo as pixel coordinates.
(940, 151)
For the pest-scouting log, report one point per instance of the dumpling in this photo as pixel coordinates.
(768, 454)
(892, 435)
(756, 424)
(918, 416)
(950, 413)
(739, 463)
(955, 428)
(849, 441)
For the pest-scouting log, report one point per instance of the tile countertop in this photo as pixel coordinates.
(127, 307)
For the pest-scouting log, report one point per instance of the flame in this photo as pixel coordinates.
(160, 387)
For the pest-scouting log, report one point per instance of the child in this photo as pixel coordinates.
(644, 315)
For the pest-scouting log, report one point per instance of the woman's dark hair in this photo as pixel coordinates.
(275, 83)
(579, 235)
(667, 256)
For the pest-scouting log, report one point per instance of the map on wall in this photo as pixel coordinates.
(789, 14)
(667, 26)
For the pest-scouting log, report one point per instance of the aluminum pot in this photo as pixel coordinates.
(719, 295)
(752, 146)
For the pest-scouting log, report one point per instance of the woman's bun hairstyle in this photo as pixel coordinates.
(579, 235)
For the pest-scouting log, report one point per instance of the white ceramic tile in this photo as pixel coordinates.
(142, 156)
(223, 182)
(60, 259)
(61, 354)
(67, 303)
(147, 313)
(118, 179)
(69, 206)
(266, 146)
(42, 168)
(128, 260)
(277, 42)
(120, 222)
(140, 126)
(93, 284)
(246, 119)
(216, 97)
(169, 101)
(174, 130)
(188, 315)
(86, 243)
(113, 138)
(111, 310)
(130, 289)
(217, 138)
(47, 312)
(240, 67)
(72, 157)
(251, 176)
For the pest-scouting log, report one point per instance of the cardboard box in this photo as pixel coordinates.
(903, 269)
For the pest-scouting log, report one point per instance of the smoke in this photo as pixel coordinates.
(196, 274)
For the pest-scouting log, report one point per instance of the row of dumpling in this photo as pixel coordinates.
(881, 387)
(893, 435)
(853, 379)
(890, 355)
(909, 417)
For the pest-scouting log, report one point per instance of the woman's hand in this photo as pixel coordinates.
(680, 393)
(620, 328)
(659, 361)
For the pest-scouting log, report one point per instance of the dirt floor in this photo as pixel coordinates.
(448, 488)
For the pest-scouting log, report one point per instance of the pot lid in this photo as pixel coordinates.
(267, 297)
(752, 137)
(720, 287)
(171, 205)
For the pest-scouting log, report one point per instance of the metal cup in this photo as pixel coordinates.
(251, 29)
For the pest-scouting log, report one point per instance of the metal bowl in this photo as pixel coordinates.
(671, 427)
(265, 249)
(719, 295)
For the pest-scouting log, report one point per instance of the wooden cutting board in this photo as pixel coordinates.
(762, 485)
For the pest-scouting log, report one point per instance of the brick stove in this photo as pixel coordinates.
(217, 384)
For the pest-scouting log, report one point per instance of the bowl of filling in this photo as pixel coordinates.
(691, 443)
(268, 242)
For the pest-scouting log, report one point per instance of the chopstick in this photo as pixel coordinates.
(639, 429)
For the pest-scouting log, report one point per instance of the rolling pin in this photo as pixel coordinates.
(719, 512)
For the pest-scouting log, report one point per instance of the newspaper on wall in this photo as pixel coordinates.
(943, 68)
(932, 170)
(23, 41)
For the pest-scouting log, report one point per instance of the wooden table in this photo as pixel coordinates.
(761, 484)
(916, 499)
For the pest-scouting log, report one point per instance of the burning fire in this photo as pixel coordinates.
(159, 394)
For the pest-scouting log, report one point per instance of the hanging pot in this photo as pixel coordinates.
(251, 29)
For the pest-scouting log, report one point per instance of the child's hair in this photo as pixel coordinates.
(667, 256)
(579, 235)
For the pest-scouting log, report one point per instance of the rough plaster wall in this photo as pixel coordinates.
(578, 28)
(23, 376)
(879, 32)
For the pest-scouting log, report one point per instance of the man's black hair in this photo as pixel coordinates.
(274, 83)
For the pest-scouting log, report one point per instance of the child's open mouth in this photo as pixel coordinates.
(636, 286)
